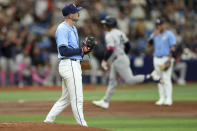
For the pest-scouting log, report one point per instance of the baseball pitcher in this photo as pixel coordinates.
(117, 47)
(70, 54)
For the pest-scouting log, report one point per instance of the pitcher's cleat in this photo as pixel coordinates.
(46, 121)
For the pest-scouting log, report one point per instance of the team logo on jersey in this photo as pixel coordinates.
(164, 38)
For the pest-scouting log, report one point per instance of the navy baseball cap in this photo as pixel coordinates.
(70, 9)
(159, 21)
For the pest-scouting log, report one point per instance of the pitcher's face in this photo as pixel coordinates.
(74, 17)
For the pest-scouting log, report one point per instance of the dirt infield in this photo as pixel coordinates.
(35, 126)
(117, 109)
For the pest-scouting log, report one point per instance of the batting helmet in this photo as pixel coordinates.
(109, 21)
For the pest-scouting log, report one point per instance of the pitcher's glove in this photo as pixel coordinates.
(88, 44)
(165, 66)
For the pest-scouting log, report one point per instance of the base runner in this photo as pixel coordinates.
(117, 47)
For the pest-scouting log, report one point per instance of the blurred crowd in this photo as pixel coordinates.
(28, 52)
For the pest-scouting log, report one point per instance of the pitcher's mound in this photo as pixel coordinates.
(36, 126)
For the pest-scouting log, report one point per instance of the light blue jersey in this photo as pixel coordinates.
(163, 43)
(67, 36)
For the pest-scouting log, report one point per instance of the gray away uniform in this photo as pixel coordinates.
(119, 62)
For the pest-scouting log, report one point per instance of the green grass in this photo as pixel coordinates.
(181, 93)
(120, 123)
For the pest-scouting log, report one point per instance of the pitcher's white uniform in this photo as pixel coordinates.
(69, 69)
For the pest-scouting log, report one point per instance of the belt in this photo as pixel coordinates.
(161, 56)
(70, 59)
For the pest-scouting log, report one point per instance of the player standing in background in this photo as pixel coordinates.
(70, 53)
(117, 47)
(164, 42)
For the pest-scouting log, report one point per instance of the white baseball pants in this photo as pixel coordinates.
(72, 92)
(165, 88)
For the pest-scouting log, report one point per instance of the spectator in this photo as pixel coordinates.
(23, 61)
(39, 68)
(123, 21)
(25, 24)
(7, 59)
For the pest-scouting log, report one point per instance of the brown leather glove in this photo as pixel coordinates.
(165, 66)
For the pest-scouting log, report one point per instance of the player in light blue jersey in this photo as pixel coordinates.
(164, 42)
(70, 54)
